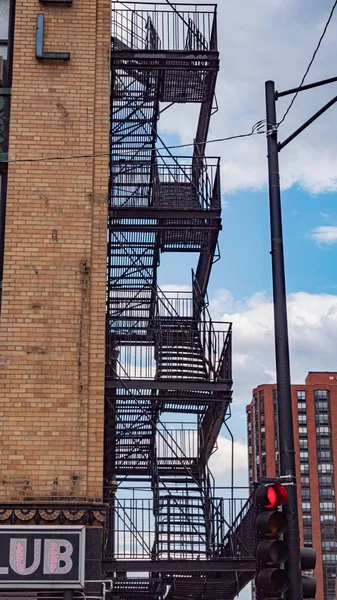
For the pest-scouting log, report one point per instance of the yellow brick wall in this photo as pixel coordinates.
(53, 312)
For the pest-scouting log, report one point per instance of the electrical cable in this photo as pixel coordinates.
(310, 64)
(256, 130)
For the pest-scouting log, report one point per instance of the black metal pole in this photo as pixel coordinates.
(286, 431)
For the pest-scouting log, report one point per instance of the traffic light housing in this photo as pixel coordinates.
(308, 562)
(271, 551)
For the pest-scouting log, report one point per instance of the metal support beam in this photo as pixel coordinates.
(171, 384)
(180, 566)
(286, 431)
(308, 86)
(281, 145)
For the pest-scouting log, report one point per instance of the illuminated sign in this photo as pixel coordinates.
(42, 557)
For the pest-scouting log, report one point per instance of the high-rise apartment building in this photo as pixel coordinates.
(315, 431)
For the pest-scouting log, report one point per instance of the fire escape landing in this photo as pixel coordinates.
(165, 355)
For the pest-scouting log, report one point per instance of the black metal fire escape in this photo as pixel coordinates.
(165, 356)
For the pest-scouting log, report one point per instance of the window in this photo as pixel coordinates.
(322, 430)
(318, 394)
(323, 455)
(303, 431)
(305, 481)
(301, 407)
(4, 21)
(322, 419)
(332, 558)
(329, 519)
(325, 480)
(327, 506)
(324, 442)
(302, 419)
(326, 493)
(304, 455)
(305, 494)
(304, 444)
(306, 507)
(300, 395)
(322, 406)
(325, 468)
(304, 468)
(329, 532)
(330, 545)
(261, 400)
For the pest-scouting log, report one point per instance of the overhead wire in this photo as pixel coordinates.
(257, 129)
(310, 64)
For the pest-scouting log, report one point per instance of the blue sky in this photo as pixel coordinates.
(260, 41)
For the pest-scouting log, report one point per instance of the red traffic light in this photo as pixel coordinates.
(270, 495)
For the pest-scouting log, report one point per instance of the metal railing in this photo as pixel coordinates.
(142, 352)
(175, 183)
(184, 27)
(183, 445)
(207, 520)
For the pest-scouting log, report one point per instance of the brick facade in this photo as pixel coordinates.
(53, 308)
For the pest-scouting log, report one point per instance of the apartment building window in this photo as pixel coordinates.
(304, 455)
(305, 493)
(302, 419)
(323, 442)
(304, 468)
(306, 507)
(325, 468)
(325, 480)
(301, 407)
(330, 545)
(322, 430)
(4, 25)
(331, 558)
(322, 406)
(327, 507)
(306, 520)
(326, 493)
(303, 431)
(303, 444)
(327, 519)
(322, 419)
(324, 455)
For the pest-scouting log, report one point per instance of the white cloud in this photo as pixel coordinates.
(269, 40)
(220, 463)
(324, 235)
(312, 331)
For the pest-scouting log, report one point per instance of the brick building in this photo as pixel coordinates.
(55, 86)
(315, 430)
(99, 482)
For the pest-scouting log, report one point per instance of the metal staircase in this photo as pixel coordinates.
(164, 354)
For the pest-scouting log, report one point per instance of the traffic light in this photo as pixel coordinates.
(308, 562)
(271, 551)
